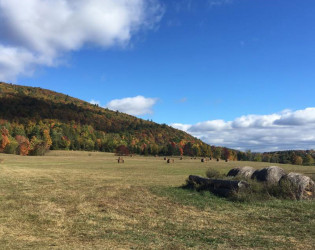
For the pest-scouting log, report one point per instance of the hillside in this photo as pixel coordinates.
(32, 119)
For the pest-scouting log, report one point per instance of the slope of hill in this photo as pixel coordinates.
(35, 119)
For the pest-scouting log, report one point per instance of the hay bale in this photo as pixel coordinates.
(305, 186)
(244, 172)
(218, 159)
(181, 158)
(227, 160)
(204, 160)
(170, 160)
(217, 183)
(165, 158)
(121, 160)
(271, 175)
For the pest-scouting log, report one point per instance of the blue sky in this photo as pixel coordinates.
(202, 66)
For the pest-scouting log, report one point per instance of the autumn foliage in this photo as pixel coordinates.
(24, 145)
(4, 139)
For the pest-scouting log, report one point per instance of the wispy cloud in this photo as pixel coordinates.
(214, 3)
(40, 32)
(182, 100)
(281, 131)
(138, 105)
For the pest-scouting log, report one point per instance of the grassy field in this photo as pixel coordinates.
(82, 200)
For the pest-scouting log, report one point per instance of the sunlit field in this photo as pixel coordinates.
(86, 200)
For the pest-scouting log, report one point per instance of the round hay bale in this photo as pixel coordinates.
(304, 184)
(245, 172)
(120, 160)
(170, 160)
(164, 158)
(271, 175)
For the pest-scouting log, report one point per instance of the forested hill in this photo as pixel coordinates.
(35, 119)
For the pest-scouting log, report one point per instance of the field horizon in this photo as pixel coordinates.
(86, 200)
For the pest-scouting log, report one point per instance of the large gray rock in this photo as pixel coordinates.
(271, 175)
(305, 186)
(244, 172)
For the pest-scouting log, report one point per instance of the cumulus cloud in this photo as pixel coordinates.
(39, 32)
(261, 133)
(95, 102)
(138, 105)
(215, 125)
(184, 127)
(300, 117)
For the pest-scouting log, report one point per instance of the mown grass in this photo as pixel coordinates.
(81, 200)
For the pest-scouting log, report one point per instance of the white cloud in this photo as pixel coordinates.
(138, 105)
(180, 126)
(281, 131)
(95, 102)
(39, 32)
(300, 117)
(255, 121)
(215, 125)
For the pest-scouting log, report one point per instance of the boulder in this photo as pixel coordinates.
(271, 175)
(244, 172)
(305, 186)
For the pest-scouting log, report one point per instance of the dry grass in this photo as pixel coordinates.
(81, 200)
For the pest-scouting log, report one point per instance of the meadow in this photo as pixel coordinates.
(86, 200)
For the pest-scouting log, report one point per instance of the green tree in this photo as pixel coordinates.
(258, 157)
(297, 160)
(217, 153)
(12, 147)
(308, 160)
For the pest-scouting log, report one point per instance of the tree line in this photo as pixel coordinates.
(295, 157)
